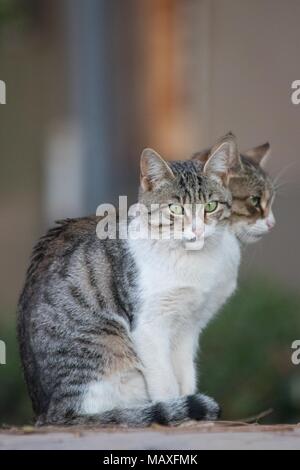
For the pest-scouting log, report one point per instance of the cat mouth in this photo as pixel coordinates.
(252, 237)
(248, 237)
(257, 236)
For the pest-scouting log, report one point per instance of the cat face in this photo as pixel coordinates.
(252, 194)
(190, 198)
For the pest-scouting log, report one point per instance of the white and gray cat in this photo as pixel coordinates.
(109, 329)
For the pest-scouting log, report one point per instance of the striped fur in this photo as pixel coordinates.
(249, 222)
(101, 321)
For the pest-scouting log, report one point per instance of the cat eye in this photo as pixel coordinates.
(255, 201)
(176, 209)
(211, 206)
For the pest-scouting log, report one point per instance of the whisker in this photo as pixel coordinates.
(285, 185)
(281, 186)
(280, 193)
(283, 171)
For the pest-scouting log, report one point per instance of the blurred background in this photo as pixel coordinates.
(90, 83)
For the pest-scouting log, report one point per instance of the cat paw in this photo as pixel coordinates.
(203, 408)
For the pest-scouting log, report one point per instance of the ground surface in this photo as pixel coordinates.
(189, 436)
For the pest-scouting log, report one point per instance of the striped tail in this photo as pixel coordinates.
(173, 412)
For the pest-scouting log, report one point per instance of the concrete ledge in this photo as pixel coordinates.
(190, 436)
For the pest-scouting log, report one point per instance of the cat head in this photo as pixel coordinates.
(191, 198)
(252, 194)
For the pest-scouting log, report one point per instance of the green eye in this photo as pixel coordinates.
(176, 209)
(211, 207)
(255, 201)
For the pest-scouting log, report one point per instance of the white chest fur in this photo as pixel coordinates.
(180, 291)
(183, 284)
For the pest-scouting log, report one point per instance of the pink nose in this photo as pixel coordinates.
(270, 223)
(198, 233)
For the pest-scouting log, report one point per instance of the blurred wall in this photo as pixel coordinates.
(32, 65)
(254, 60)
(89, 84)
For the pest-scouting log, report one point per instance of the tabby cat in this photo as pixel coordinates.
(108, 329)
(253, 193)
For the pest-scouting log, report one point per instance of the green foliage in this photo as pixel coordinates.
(245, 359)
(246, 354)
(12, 11)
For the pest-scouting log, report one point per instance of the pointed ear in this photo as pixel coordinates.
(259, 154)
(154, 169)
(224, 158)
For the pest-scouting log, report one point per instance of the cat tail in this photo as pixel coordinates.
(196, 407)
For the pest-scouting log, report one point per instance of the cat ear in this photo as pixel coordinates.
(224, 158)
(259, 154)
(154, 169)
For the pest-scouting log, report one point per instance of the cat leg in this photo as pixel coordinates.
(153, 348)
(122, 390)
(183, 358)
(185, 370)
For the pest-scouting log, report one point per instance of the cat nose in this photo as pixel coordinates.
(193, 234)
(190, 237)
(271, 222)
(198, 230)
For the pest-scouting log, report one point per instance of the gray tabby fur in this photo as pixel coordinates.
(80, 307)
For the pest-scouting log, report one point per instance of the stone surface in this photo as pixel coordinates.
(196, 436)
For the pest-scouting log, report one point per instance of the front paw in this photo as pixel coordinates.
(202, 407)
